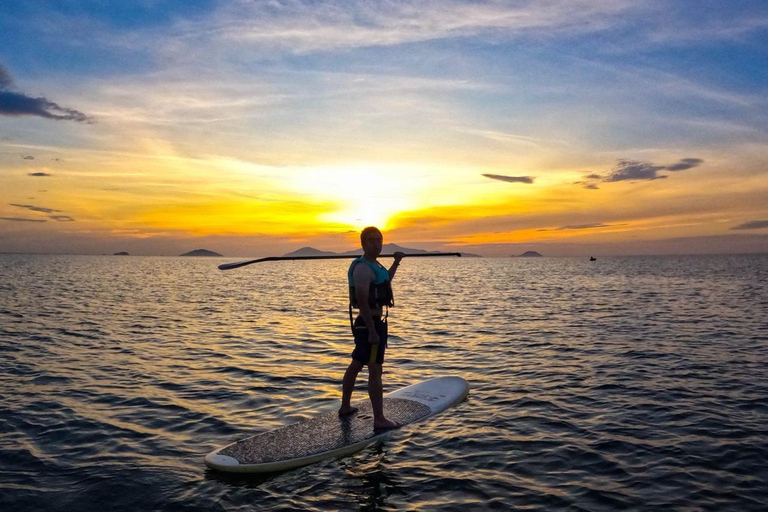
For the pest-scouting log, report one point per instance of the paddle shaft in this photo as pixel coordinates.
(230, 266)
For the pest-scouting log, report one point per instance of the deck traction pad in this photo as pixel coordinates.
(322, 433)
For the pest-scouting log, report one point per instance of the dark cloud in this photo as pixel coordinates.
(62, 218)
(585, 226)
(754, 224)
(6, 82)
(18, 104)
(635, 170)
(594, 225)
(28, 157)
(510, 179)
(39, 174)
(35, 208)
(16, 219)
(685, 163)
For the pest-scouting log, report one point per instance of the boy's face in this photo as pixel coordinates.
(372, 244)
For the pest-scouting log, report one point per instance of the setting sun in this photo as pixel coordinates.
(363, 195)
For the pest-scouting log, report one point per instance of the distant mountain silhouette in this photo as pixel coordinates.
(201, 252)
(530, 254)
(386, 249)
(308, 251)
(391, 248)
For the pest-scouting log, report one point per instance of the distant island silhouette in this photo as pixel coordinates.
(386, 249)
(308, 251)
(530, 254)
(121, 254)
(201, 252)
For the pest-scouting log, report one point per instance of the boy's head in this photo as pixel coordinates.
(372, 241)
(368, 232)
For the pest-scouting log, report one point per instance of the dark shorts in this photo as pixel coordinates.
(364, 351)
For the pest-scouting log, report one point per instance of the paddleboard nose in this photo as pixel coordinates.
(221, 462)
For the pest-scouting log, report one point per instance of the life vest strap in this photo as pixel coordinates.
(352, 320)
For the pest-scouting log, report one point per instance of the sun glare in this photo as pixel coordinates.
(364, 196)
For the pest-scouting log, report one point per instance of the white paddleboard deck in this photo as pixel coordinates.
(328, 435)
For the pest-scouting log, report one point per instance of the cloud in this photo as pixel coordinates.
(594, 225)
(685, 163)
(330, 24)
(510, 179)
(28, 157)
(35, 208)
(16, 219)
(18, 104)
(39, 174)
(41, 209)
(6, 82)
(513, 138)
(754, 224)
(585, 226)
(635, 170)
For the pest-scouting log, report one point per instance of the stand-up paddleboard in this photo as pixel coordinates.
(328, 435)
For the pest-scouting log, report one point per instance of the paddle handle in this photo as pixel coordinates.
(230, 266)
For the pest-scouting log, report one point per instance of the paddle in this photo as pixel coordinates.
(230, 266)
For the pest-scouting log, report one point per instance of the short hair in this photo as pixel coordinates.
(367, 231)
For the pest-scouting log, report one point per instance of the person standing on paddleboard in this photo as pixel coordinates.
(370, 291)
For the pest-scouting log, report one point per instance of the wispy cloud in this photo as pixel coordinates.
(19, 104)
(41, 209)
(585, 226)
(62, 218)
(317, 26)
(697, 28)
(35, 208)
(593, 225)
(17, 219)
(6, 82)
(754, 224)
(39, 174)
(510, 179)
(514, 138)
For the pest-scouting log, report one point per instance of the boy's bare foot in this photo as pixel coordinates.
(386, 425)
(347, 411)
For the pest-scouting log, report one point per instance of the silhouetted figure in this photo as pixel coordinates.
(370, 291)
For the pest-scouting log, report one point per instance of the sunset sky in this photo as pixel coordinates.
(253, 128)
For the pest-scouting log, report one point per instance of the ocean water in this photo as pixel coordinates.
(621, 384)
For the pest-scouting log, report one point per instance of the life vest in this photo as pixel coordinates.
(380, 291)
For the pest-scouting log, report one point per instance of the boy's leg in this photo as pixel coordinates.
(375, 392)
(348, 385)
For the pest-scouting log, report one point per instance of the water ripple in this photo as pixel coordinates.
(630, 384)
